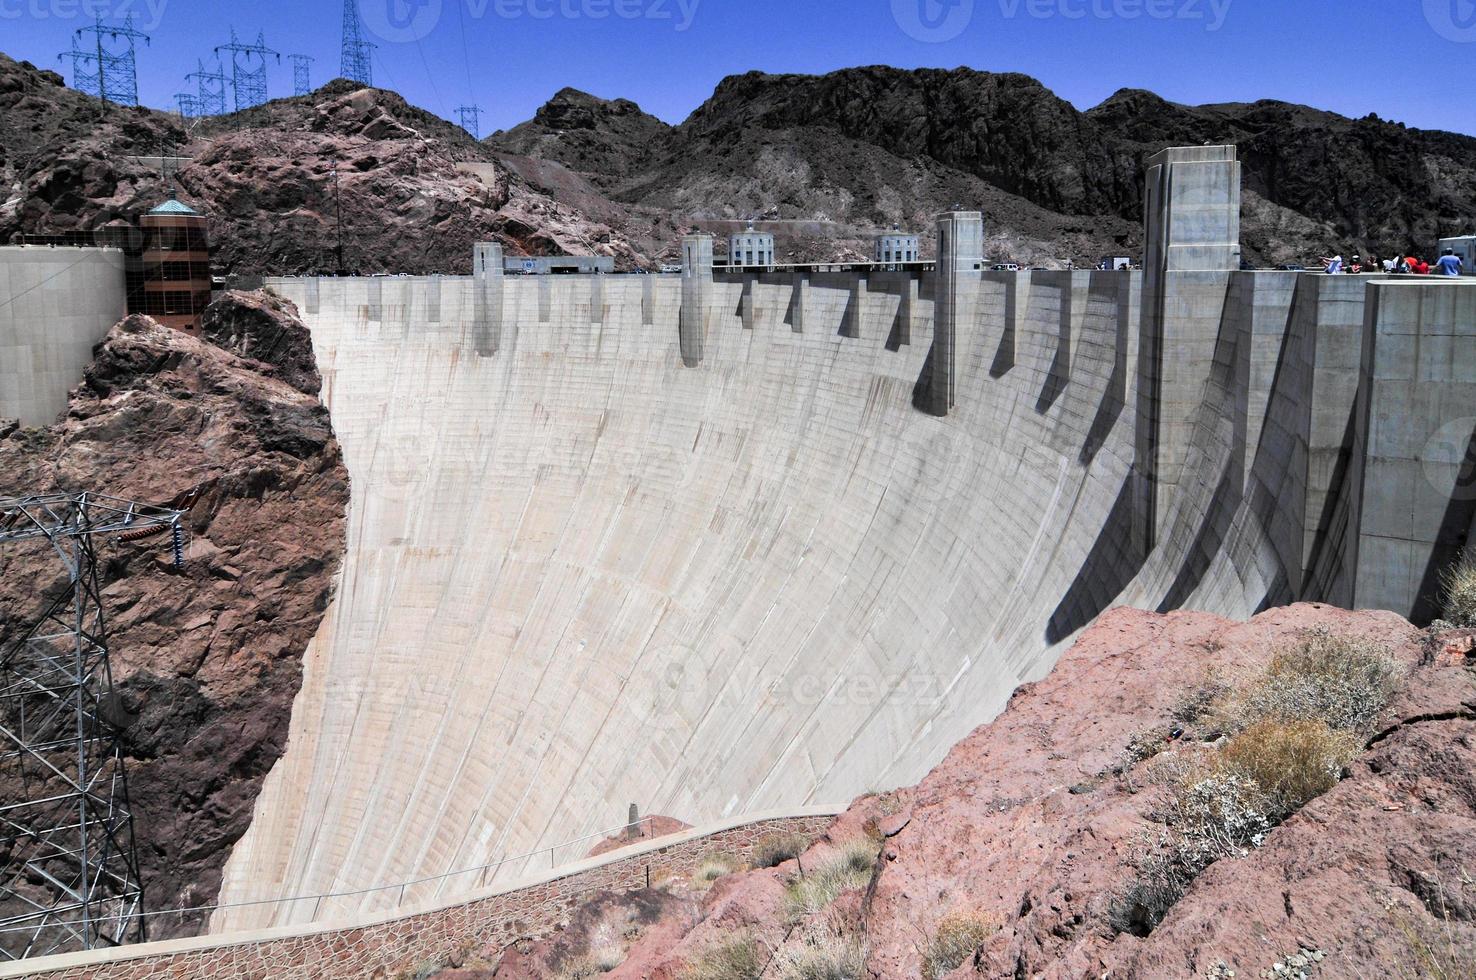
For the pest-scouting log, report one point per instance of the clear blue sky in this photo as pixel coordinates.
(1408, 60)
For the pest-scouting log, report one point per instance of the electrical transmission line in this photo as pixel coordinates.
(83, 80)
(212, 88)
(69, 873)
(116, 79)
(249, 69)
(301, 82)
(471, 119)
(357, 52)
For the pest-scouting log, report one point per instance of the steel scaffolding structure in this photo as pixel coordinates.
(69, 876)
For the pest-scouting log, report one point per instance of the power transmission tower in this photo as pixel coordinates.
(301, 82)
(82, 80)
(69, 876)
(189, 105)
(212, 87)
(249, 69)
(357, 52)
(117, 70)
(471, 119)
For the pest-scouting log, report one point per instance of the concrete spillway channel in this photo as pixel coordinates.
(599, 555)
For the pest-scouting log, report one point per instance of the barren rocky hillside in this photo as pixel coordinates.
(208, 657)
(1183, 796)
(825, 161)
(867, 147)
(416, 191)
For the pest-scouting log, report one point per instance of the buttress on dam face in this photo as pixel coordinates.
(729, 542)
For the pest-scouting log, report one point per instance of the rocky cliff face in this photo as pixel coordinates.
(1013, 857)
(867, 147)
(208, 658)
(830, 159)
(416, 192)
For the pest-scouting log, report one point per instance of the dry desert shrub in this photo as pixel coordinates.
(822, 956)
(715, 866)
(957, 938)
(1458, 590)
(605, 953)
(1290, 763)
(847, 869)
(772, 850)
(1343, 681)
(737, 958)
(1297, 727)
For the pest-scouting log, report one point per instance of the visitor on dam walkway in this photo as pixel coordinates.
(1417, 266)
(1450, 264)
(1334, 264)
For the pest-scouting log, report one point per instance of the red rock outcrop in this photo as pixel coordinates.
(208, 658)
(1033, 825)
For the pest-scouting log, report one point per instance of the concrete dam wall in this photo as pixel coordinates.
(724, 543)
(58, 304)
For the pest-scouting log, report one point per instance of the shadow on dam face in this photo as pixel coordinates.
(581, 574)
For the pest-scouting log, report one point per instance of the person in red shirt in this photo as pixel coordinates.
(1418, 267)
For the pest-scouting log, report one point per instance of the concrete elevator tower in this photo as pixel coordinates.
(960, 267)
(1192, 248)
(696, 295)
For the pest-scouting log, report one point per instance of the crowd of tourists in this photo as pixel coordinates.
(1449, 264)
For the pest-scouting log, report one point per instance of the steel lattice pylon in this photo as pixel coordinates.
(248, 69)
(69, 876)
(212, 89)
(357, 65)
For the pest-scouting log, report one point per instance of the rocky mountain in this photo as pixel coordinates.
(415, 191)
(823, 161)
(846, 153)
(1038, 847)
(207, 658)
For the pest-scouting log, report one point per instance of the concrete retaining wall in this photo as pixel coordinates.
(399, 945)
(56, 304)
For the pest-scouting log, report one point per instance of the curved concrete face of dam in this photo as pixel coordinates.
(585, 571)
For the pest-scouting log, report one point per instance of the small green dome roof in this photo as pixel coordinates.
(173, 206)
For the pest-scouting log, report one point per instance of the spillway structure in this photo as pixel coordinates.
(723, 542)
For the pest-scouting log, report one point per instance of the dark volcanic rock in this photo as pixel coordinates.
(208, 657)
(864, 148)
(264, 327)
(416, 191)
